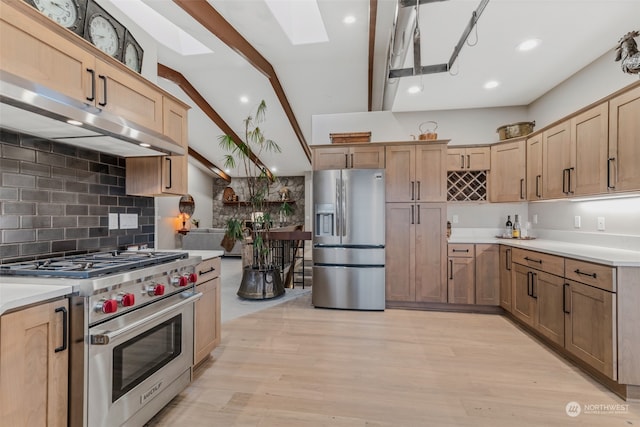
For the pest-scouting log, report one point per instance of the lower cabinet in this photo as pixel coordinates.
(473, 274)
(207, 310)
(34, 366)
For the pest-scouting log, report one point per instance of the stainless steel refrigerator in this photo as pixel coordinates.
(348, 239)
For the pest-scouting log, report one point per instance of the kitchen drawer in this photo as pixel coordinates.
(550, 263)
(596, 275)
(208, 269)
(461, 250)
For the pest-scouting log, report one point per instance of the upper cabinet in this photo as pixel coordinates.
(364, 156)
(469, 158)
(534, 167)
(588, 173)
(416, 173)
(624, 149)
(556, 161)
(507, 180)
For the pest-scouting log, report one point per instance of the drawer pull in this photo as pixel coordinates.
(565, 286)
(461, 250)
(208, 271)
(539, 261)
(585, 274)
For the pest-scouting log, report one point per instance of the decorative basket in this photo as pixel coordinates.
(515, 130)
(348, 138)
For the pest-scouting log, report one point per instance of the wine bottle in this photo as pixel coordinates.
(516, 228)
(508, 232)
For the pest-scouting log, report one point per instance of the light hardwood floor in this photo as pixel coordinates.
(293, 365)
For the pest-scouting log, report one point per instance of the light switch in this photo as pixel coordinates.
(455, 219)
(128, 221)
(113, 221)
(601, 223)
(576, 221)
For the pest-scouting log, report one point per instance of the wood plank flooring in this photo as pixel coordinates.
(293, 365)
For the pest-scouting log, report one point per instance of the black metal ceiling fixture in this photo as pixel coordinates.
(418, 68)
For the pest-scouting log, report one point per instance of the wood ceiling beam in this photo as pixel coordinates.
(373, 14)
(210, 166)
(208, 17)
(182, 82)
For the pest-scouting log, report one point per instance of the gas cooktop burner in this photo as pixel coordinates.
(89, 265)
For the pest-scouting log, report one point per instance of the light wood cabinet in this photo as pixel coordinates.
(162, 175)
(534, 167)
(34, 366)
(507, 176)
(522, 303)
(469, 158)
(624, 134)
(369, 156)
(207, 309)
(416, 252)
(556, 161)
(416, 173)
(549, 316)
(487, 274)
(589, 151)
(590, 326)
(461, 274)
(505, 277)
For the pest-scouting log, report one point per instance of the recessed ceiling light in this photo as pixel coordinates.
(491, 84)
(528, 45)
(244, 99)
(227, 170)
(414, 89)
(74, 122)
(145, 145)
(274, 169)
(349, 19)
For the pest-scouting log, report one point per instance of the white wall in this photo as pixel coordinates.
(470, 126)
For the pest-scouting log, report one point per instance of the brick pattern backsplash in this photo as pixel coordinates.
(55, 200)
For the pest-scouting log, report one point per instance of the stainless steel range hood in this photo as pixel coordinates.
(35, 110)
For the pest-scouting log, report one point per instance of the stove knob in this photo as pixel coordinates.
(193, 278)
(107, 306)
(183, 281)
(126, 300)
(156, 290)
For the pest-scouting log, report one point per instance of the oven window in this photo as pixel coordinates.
(137, 359)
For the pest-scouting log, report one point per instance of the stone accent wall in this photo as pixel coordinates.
(222, 212)
(55, 200)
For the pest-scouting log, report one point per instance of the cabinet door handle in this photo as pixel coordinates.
(461, 161)
(168, 159)
(461, 250)
(413, 190)
(539, 261)
(346, 161)
(412, 214)
(529, 283)
(418, 208)
(206, 272)
(569, 190)
(351, 159)
(508, 260)
(594, 275)
(610, 161)
(468, 161)
(522, 188)
(104, 90)
(566, 176)
(64, 345)
(450, 269)
(534, 282)
(538, 185)
(418, 185)
(93, 85)
(564, 298)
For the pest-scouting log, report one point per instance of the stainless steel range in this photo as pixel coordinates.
(131, 330)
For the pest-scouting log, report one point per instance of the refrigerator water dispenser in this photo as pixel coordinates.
(325, 215)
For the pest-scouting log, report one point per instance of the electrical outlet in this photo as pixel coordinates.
(535, 218)
(455, 219)
(601, 223)
(576, 221)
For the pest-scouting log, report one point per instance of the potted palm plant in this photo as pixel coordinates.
(261, 279)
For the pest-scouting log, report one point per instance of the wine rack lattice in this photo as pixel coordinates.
(467, 186)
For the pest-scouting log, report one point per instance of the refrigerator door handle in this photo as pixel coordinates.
(344, 209)
(338, 211)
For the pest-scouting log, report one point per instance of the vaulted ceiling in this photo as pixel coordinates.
(253, 58)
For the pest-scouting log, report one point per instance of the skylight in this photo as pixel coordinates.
(160, 28)
(300, 20)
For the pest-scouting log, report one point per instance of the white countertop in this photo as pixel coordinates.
(205, 255)
(597, 254)
(14, 295)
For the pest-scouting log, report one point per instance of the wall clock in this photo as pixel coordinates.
(103, 31)
(68, 13)
(132, 55)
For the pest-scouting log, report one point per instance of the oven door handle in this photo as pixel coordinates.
(108, 337)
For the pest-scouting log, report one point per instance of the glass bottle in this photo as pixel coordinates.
(516, 228)
(508, 231)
